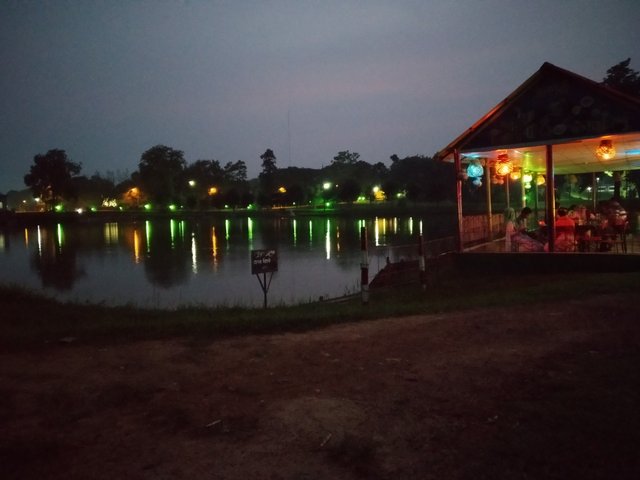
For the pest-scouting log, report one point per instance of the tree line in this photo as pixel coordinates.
(164, 179)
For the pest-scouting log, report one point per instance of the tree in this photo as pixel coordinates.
(267, 176)
(50, 177)
(623, 78)
(349, 190)
(268, 163)
(345, 158)
(161, 173)
(236, 172)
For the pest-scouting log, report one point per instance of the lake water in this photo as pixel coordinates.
(174, 262)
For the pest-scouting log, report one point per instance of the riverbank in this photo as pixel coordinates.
(515, 379)
(337, 210)
(31, 319)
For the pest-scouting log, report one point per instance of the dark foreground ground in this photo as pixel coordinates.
(551, 391)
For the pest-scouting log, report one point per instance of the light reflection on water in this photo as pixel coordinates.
(171, 262)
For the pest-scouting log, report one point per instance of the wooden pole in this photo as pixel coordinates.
(487, 183)
(458, 168)
(421, 263)
(364, 266)
(551, 200)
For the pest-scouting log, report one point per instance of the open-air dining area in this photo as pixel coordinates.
(537, 164)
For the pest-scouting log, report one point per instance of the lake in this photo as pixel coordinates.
(202, 261)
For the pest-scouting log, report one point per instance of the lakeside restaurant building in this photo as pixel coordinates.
(555, 123)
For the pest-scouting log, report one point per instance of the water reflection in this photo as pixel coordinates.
(55, 260)
(166, 262)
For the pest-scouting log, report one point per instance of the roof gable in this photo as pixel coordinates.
(552, 106)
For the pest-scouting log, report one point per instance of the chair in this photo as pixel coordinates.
(619, 239)
(609, 238)
(566, 239)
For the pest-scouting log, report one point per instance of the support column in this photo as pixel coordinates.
(551, 200)
(594, 193)
(487, 183)
(457, 161)
(507, 179)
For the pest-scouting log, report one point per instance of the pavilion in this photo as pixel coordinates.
(555, 123)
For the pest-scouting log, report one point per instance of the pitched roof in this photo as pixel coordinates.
(553, 106)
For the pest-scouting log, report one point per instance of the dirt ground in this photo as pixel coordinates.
(545, 392)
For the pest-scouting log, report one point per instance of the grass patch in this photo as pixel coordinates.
(28, 317)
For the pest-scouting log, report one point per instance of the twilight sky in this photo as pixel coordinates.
(107, 79)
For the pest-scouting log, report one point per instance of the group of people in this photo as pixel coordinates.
(610, 218)
(518, 237)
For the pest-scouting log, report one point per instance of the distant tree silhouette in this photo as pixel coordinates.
(161, 174)
(50, 177)
(623, 78)
(267, 177)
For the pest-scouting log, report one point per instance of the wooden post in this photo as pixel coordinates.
(551, 200)
(594, 193)
(364, 266)
(487, 184)
(421, 263)
(506, 189)
(458, 168)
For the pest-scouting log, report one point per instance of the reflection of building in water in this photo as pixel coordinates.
(294, 227)
(111, 233)
(214, 247)
(136, 246)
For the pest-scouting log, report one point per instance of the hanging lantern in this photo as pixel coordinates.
(477, 182)
(475, 170)
(527, 178)
(606, 150)
(516, 174)
(503, 164)
(540, 180)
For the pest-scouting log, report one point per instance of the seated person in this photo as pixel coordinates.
(521, 239)
(565, 232)
(509, 228)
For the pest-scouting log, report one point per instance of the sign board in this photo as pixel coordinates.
(264, 261)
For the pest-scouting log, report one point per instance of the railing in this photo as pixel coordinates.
(475, 229)
(381, 256)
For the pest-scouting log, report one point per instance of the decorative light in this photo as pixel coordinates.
(503, 164)
(475, 170)
(527, 178)
(213, 190)
(477, 182)
(606, 150)
(282, 190)
(540, 180)
(516, 174)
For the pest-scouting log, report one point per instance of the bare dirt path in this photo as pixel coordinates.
(544, 392)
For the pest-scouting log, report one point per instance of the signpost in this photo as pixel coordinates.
(263, 262)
